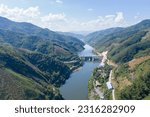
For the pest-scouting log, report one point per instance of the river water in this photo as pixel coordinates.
(76, 87)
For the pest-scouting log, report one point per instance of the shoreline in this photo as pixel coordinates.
(97, 91)
(77, 69)
(84, 75)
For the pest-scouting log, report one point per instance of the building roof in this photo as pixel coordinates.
(109, 85)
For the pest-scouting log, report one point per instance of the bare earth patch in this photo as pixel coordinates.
(137, 61)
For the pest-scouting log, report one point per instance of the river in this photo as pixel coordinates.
(76, 87)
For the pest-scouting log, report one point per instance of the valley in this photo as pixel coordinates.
(76, 87)
(37, 63)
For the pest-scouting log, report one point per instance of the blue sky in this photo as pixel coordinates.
(76, 15)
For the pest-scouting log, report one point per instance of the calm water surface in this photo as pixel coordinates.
(76, 87)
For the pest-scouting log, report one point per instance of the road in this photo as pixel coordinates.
(113, 90)
(110, 76)
(113, 94)
(104, 54)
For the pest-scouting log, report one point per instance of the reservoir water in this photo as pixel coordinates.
(76, 87)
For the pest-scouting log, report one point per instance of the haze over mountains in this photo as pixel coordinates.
(79, 36)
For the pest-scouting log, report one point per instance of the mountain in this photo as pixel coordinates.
(31, 37)
(129, 56)
(98, 35)
(124, 43)
(22, 27)
(14, 86)
(27, 68)
(28, 31)
(35, 62)
(133, 80)
(78, 36)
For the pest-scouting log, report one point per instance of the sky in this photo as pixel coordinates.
(76, 15)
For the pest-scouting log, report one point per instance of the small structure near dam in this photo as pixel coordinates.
(92, 58)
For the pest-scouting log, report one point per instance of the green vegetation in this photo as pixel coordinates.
(127, 50)
(79, 36)
(143, 53)
(34, 65)
(122, 71)
(101, 76)
(124, 46)
(147, 98)
(35, 62)
(140, 87)
(138, 90)
(34, 75)
(31, 37)
(17, 86)
(90, 86)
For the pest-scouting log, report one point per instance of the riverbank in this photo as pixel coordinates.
(76, 87)
(77, 69)
(101, 75)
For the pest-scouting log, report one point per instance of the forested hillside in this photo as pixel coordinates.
(123, 44)
(33, 60)
(129, 48)
(29, 36)
(29, 75)
(79, 36)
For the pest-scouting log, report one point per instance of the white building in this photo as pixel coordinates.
(109, 85)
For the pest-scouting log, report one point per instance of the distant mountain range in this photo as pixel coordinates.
(78, 36)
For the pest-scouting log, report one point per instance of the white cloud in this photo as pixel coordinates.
(103, 22)
(119, 17)
(59, 1)
(60, 21)
(53, 17)
(19, 14)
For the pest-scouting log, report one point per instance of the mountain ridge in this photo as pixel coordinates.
(126, 48)
(33, 59)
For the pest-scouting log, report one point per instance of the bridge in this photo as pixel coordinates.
(91, 58)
